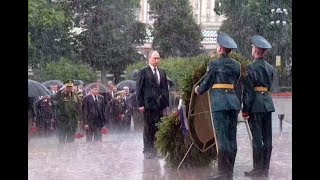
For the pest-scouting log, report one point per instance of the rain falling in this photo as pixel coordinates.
(159, 89)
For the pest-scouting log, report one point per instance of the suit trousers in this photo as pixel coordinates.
(93, 133)
(150, 117)
(261, 128)
(225, 124)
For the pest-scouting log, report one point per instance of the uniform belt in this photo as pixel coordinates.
(261, 89)
(223, 86)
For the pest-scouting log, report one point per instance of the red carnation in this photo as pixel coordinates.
(104, 131)
(79, 135)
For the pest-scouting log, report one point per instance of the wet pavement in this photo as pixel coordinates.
(120, 156)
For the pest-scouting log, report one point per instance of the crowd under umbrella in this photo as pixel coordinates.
(50, 83)
(101, 87)
(36, 89)
(129, 83)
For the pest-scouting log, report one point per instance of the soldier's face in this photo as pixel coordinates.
(69, 88)
(154, 59)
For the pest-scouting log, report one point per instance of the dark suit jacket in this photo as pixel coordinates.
(93, 112)
(149, 94)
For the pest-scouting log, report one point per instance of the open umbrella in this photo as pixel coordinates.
(49, 83)
(36, 89)
(77, 82)
(134, 74)
(102, 88)
(129, 83)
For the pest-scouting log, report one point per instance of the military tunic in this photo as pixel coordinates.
(68, 111)
(225, 106)
(259, 105)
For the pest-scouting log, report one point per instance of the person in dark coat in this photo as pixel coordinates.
(221, 78)
(45, 115)
(93, 108)
(153, 98)
(31, 115)
(258, 106)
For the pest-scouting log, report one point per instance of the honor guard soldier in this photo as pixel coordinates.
(221, 79)
(258, 106)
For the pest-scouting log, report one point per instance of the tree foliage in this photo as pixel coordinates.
(64, 70)
(245, 18)
(110, 33)
(174, 30)
(47, 33)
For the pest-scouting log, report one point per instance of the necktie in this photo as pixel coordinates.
(156, 75)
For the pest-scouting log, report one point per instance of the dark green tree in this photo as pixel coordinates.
(245, 18)
(175, 31)
(48, 38)
(110, 34)
(64, 70)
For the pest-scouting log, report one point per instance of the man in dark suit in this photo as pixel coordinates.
(258, 106)
(152, 98)
(93, 115)
(221, 79)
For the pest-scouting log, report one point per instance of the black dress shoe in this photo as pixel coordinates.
(221, 176)
(254, 173)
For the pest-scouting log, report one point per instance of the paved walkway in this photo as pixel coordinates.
(120, 156)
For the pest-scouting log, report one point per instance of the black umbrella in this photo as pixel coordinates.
(49, 83)
(102, 88)
(36, 89)
(129, 83)
(77, 82)
(134, 74)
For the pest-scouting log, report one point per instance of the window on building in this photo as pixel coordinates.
(195, 16)
(208, 17)
(150, 18)
(209, 4)
(196, 4)
(216, 18)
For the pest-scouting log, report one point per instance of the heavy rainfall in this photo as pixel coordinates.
(159, 89)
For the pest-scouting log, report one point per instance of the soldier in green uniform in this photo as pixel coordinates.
(68, 112)
(221, 79)
(258, 106)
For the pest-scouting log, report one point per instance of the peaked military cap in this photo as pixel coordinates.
(69, 83)
(260, 42)
(226, 41)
